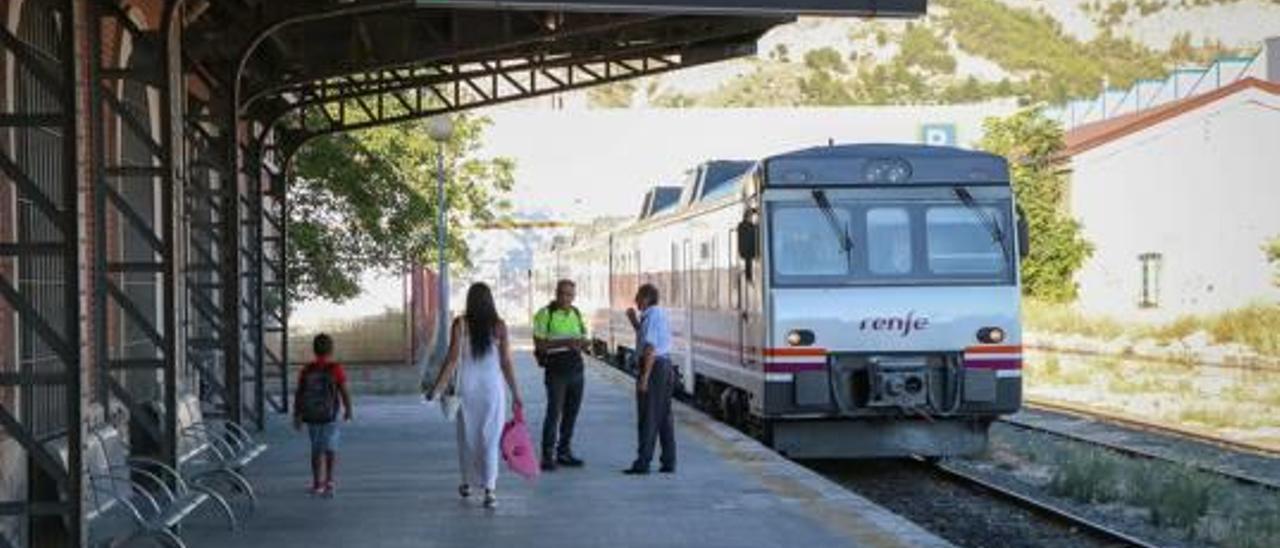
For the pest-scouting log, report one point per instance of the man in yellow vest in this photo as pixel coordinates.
(559, 336)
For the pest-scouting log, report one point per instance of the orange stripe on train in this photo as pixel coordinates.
(995, 349)
(795, 352)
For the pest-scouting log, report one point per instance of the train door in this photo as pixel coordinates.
(734, 279)
(687, 287)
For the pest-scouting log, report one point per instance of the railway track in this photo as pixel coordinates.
(1237, 476)
(1101, 534)
(1065, 517)
(1149, 426)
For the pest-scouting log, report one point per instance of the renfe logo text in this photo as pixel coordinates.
(897, 324)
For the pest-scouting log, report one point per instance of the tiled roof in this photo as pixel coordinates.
(1093, 135)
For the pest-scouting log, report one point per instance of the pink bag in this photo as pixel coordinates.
(517, 449)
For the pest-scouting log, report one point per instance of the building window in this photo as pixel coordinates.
(1150, 296)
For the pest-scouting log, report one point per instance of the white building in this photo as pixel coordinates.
(1179, 199)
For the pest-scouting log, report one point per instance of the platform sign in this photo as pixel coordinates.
(853, 8)
(942, 135)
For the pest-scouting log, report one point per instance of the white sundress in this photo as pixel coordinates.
(480, 417)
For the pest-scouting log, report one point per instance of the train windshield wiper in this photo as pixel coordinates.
(993, 227)
(842, 235)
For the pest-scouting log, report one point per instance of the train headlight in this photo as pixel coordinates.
(886, 170)
(800, 337)
(991, 335)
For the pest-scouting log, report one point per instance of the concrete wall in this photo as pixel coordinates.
(1201, 189)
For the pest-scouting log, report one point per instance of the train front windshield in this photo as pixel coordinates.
(915, 242)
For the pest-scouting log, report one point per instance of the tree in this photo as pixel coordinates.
(366, 202)
(1033, 144)
(825, 59)
(1272, 249)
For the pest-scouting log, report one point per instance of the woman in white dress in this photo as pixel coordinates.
(480, 352)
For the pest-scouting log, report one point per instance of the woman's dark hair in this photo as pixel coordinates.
(648, 293)
(322, 345)
(482, 319)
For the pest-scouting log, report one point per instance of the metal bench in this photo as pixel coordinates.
(215, 450)
(154, 498)
(234, 445)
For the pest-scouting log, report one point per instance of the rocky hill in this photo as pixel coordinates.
(965, 50)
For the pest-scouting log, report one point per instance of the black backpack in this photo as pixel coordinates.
(318, 401)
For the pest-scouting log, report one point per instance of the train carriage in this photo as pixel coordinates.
(841, 301)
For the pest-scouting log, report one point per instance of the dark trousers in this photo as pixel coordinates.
(564, 381)
(656, 423)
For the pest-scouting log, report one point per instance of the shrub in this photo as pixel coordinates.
(1087, 475)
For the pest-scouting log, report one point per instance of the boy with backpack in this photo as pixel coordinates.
(322, 385)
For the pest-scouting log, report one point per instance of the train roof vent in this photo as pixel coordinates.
(723, 176)
(659, 199)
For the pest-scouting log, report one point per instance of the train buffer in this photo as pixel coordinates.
(398, 477)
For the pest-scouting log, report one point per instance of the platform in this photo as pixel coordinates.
(398, 476)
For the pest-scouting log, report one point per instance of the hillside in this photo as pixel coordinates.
(966, 50)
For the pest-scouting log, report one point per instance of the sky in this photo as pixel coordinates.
(577, 164)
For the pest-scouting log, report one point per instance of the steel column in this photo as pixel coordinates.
(134, 279)
(232, 332)
(42, 165)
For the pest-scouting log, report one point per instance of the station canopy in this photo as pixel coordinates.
(322, 67)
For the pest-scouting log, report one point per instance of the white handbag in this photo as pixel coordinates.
(450, 401)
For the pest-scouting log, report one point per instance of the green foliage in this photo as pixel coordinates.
(366, 201)
(1256, 326)
(1032, 143)
(1088, 476)
(615, 95)
(1272, 251)
(1175, 498)
(825, 60)
(770, 84)
(780, 53)
(1045, 64)
(1058, 65)
(923, 49)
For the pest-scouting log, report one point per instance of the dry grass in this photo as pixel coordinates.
(1256, 326)
(378, 338)
(1242, 405)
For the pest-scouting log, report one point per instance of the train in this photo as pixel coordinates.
(841, 301)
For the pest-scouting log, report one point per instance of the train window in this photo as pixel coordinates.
(804, 243)
(674, 287)
(713, 277)
(888, 241)
(960, 242)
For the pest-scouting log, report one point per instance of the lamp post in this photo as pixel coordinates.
(440, 129)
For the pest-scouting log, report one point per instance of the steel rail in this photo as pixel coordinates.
(1152, 426)
(1242, 478)
(1037, 506)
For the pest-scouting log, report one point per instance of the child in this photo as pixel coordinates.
(321, 385)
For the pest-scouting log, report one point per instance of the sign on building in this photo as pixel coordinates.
(943, 135)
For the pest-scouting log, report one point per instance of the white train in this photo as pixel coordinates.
(841, 301)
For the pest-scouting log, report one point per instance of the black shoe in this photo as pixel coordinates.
(636, 471)
(567, 459)
(548, 465)
(667, 469)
